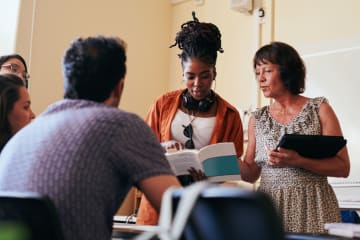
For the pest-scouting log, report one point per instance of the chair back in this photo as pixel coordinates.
(28, 216)
(227, 212)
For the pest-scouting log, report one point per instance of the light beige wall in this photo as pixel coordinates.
(24, 30)
(149, 27)
(143, 24)
(314, 25)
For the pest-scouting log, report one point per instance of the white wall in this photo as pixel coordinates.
(9, 11)
(327, 34)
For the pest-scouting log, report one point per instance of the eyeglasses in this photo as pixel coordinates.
(15, 69)
(188, 132)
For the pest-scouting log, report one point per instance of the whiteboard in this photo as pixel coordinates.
(335, 74)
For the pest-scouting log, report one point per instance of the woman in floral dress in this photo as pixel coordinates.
(297, 185)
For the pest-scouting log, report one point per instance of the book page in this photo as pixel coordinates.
(182, 160)
(224, 178)
(218, 149)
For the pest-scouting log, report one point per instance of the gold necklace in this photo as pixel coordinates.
(283, 111)
(288, 110)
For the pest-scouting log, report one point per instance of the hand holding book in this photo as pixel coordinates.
(172, 146)
(197, 174)
(218, 161)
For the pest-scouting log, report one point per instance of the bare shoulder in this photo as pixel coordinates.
(329, 121)
(326, 110)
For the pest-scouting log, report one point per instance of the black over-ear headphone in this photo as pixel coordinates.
(202, 105)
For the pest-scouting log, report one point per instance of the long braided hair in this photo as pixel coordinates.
(198, 40)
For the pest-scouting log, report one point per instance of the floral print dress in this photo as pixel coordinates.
(304, 200)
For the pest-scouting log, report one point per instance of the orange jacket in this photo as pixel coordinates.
(228, 128)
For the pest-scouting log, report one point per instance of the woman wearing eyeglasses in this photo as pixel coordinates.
(15, 110)
(196, 116)
(15, 64)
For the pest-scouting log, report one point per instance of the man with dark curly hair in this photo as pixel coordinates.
(83, 152)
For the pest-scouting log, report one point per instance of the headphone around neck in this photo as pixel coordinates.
(202, 105)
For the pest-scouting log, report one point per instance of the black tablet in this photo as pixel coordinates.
(312, 146)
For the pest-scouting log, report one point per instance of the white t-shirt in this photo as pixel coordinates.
(202, 128)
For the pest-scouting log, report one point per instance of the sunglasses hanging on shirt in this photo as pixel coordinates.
(188, 132)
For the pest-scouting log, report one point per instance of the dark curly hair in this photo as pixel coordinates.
(9, 94)
(93, 66)
(291, 66)
(198, 40)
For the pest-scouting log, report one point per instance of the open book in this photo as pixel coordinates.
(218, 161)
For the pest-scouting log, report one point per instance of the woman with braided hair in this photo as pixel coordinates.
(195, 116)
